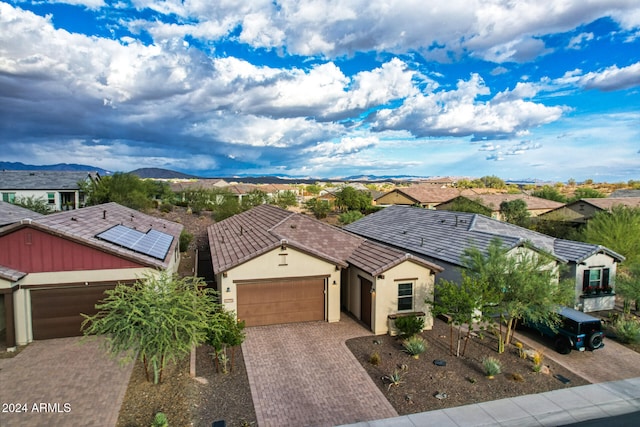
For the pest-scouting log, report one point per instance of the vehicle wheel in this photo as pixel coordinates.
(563, 346)
(595, 341)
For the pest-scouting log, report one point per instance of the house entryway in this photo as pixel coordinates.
(318, 380)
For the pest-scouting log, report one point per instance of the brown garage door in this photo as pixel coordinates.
(56, 312)
(281, 301)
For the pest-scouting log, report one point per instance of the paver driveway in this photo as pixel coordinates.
(612, 363)
(82, 385)
(304, 375)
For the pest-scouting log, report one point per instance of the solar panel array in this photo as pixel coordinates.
(153, 243)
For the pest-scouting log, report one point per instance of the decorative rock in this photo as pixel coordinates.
(545, 370)
(440, 396)
(439, 362)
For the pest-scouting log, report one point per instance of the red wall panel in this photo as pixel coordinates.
(33, 251)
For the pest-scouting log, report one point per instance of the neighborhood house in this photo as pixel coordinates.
(55, 267)
(442, 237)
(275, 266)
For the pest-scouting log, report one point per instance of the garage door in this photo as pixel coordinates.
(56, 312)
(281, 301)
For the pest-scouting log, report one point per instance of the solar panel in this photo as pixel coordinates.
(153, 243)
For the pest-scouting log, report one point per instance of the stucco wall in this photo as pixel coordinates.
(597, 303)
(270, 266)
(385, 298)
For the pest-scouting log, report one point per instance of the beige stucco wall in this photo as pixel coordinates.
(22, 297)
(40, 194)
(385, 298)
(269, 266)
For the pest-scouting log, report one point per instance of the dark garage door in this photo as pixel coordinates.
(281, 301)
(56, 312)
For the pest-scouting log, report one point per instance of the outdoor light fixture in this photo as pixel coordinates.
(228, 289)
(334, 283)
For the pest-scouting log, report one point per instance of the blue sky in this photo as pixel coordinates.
(514, 88)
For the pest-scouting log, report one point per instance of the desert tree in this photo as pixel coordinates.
(159, 318)
(230, 336)
(515, 212)
(618, 230)
(519, 283)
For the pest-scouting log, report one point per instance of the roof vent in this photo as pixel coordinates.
(104, 214)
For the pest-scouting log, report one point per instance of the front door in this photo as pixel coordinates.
(365, 301)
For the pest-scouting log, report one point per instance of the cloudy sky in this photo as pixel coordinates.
(326, 88)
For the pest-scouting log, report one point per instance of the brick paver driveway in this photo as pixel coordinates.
(62, 382)
(304, 375)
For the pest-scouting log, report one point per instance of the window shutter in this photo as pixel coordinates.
(605, 277)
(585, 280)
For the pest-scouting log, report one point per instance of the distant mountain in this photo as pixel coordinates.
(159, 173)
(18, 166)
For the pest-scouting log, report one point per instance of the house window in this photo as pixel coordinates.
(595, 279)
(51, 198)
(9, 197)
(405, 296)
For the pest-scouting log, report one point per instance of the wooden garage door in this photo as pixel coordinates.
(56, 312)
(281, 301)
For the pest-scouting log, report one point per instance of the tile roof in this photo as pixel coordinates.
(427, 193)
(84, 224)
(10, 274)
(606, 203)
(445, 235)
(493, 201)
(249, 234)
(42, 180)
(10, 213)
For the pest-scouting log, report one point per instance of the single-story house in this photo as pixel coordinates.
(581, 211)
(275, 266)
(535, 205)
(425, 195)
(55, 267)
(60, 189)
(442, 237)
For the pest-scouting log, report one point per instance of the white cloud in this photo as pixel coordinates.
(580, 40)
(459, 113)
(609, 79)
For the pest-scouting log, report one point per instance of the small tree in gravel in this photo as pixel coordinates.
(159, 318)
(230, 335)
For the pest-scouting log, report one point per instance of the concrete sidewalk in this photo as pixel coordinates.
(553, 408)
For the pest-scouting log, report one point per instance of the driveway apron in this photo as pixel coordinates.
(304, 375)
(612, 363)
(62, 382)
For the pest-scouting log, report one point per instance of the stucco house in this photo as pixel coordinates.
(425, 195)
(275, 266)
(54, 267)
(60, 189)
(535, 205)
(581, 211)
(442, 237)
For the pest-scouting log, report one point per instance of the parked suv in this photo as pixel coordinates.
(577, 330)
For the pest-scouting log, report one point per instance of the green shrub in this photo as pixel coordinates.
(627, 330)
(165, 207)
(492, 366)
(349, 217)
(409, 325)
(160, 420)
(414, 345)
(185, 239)
(374, 359)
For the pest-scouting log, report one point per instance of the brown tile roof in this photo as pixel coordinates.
(10, 213)
(247, 235)
(429, 193)
(201, 184)
(606, 203)
(84, 224)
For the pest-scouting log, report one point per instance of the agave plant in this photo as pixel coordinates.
(394, 379)
(415, 346)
